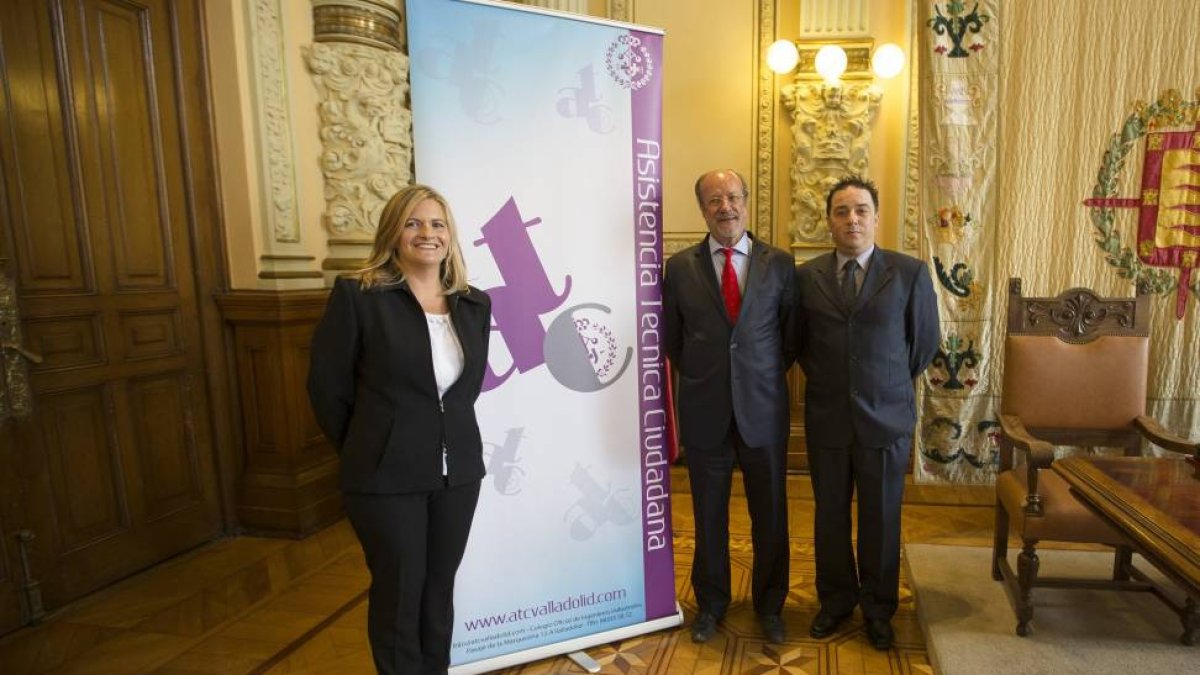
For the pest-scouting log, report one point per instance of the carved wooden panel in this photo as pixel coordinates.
(262, 413)
(1077, 315)
(164, 443)
(41, 184)
(65, 341)
(130, 143)
(79, 438)
(11, 614)
(150, 334)
(311, 437)
(290, 479)
(96, 193)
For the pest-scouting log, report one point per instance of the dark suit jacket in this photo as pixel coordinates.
(729, 371)
(859, 363)
(373, 392)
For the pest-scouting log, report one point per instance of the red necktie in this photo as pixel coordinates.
(729, 287)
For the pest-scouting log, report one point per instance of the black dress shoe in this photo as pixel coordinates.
(879, 634)
(772, 627)
(703, 627)
(826, 624)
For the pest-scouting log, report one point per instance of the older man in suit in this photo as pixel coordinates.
(868, 325)
(729, 304)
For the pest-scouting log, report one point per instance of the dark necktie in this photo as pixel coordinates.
(849, 288)
(729, 286)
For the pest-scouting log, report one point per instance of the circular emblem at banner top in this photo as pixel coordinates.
(629, 62)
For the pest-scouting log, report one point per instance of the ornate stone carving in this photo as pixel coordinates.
(274, 123)
(831, 128)
(764, 128)
(911, 228)
(366, 132)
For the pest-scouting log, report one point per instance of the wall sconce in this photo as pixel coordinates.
(832, 101)
(831, 60)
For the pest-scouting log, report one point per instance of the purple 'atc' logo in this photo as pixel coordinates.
(629, 62)
(579, 349)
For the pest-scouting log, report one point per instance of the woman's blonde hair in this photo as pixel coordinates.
(383, 266)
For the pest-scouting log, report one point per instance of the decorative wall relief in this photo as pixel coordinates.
(274, 123)
(831, 129)
(911, 227)
(366, 132)
(361, 77)
(764, 127)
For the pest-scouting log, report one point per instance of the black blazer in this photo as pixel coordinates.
(372, 388)
(859, 363)
(729, 371)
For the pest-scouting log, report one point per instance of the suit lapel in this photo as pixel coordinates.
(708, 275)
(756, 269)
(828, 284)
(879, 273)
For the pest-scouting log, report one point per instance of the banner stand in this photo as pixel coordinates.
(568, 646)
(544, 132)
(584, 661)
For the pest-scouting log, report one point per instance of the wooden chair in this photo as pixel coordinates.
(1074, 375)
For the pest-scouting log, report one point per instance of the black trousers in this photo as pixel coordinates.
(873, 582)
(764, 475)
(413, 545)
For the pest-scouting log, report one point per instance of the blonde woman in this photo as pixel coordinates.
(397, 362)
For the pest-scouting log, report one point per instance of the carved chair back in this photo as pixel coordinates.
(1075, 366)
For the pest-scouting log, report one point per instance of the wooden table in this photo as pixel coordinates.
(1155, 502)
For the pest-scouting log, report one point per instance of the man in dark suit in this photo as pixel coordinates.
(868, 325)
(729, 306)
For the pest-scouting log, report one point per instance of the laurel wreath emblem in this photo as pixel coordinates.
(593, 333)
(1169, 110)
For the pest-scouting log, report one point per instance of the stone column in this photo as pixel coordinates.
(359, 69)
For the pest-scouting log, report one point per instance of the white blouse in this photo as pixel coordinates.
(447, 359)
(447, 351)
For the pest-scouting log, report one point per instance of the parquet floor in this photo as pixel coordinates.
(254, 605)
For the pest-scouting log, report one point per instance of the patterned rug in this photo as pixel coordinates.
(738, 647)
(969, 624)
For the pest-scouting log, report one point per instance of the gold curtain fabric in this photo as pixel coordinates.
(1027, 119)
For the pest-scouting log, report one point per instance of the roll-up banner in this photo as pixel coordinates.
(544, 131)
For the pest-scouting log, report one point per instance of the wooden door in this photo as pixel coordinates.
(113, 470)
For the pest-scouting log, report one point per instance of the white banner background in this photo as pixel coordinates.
(526, 121)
